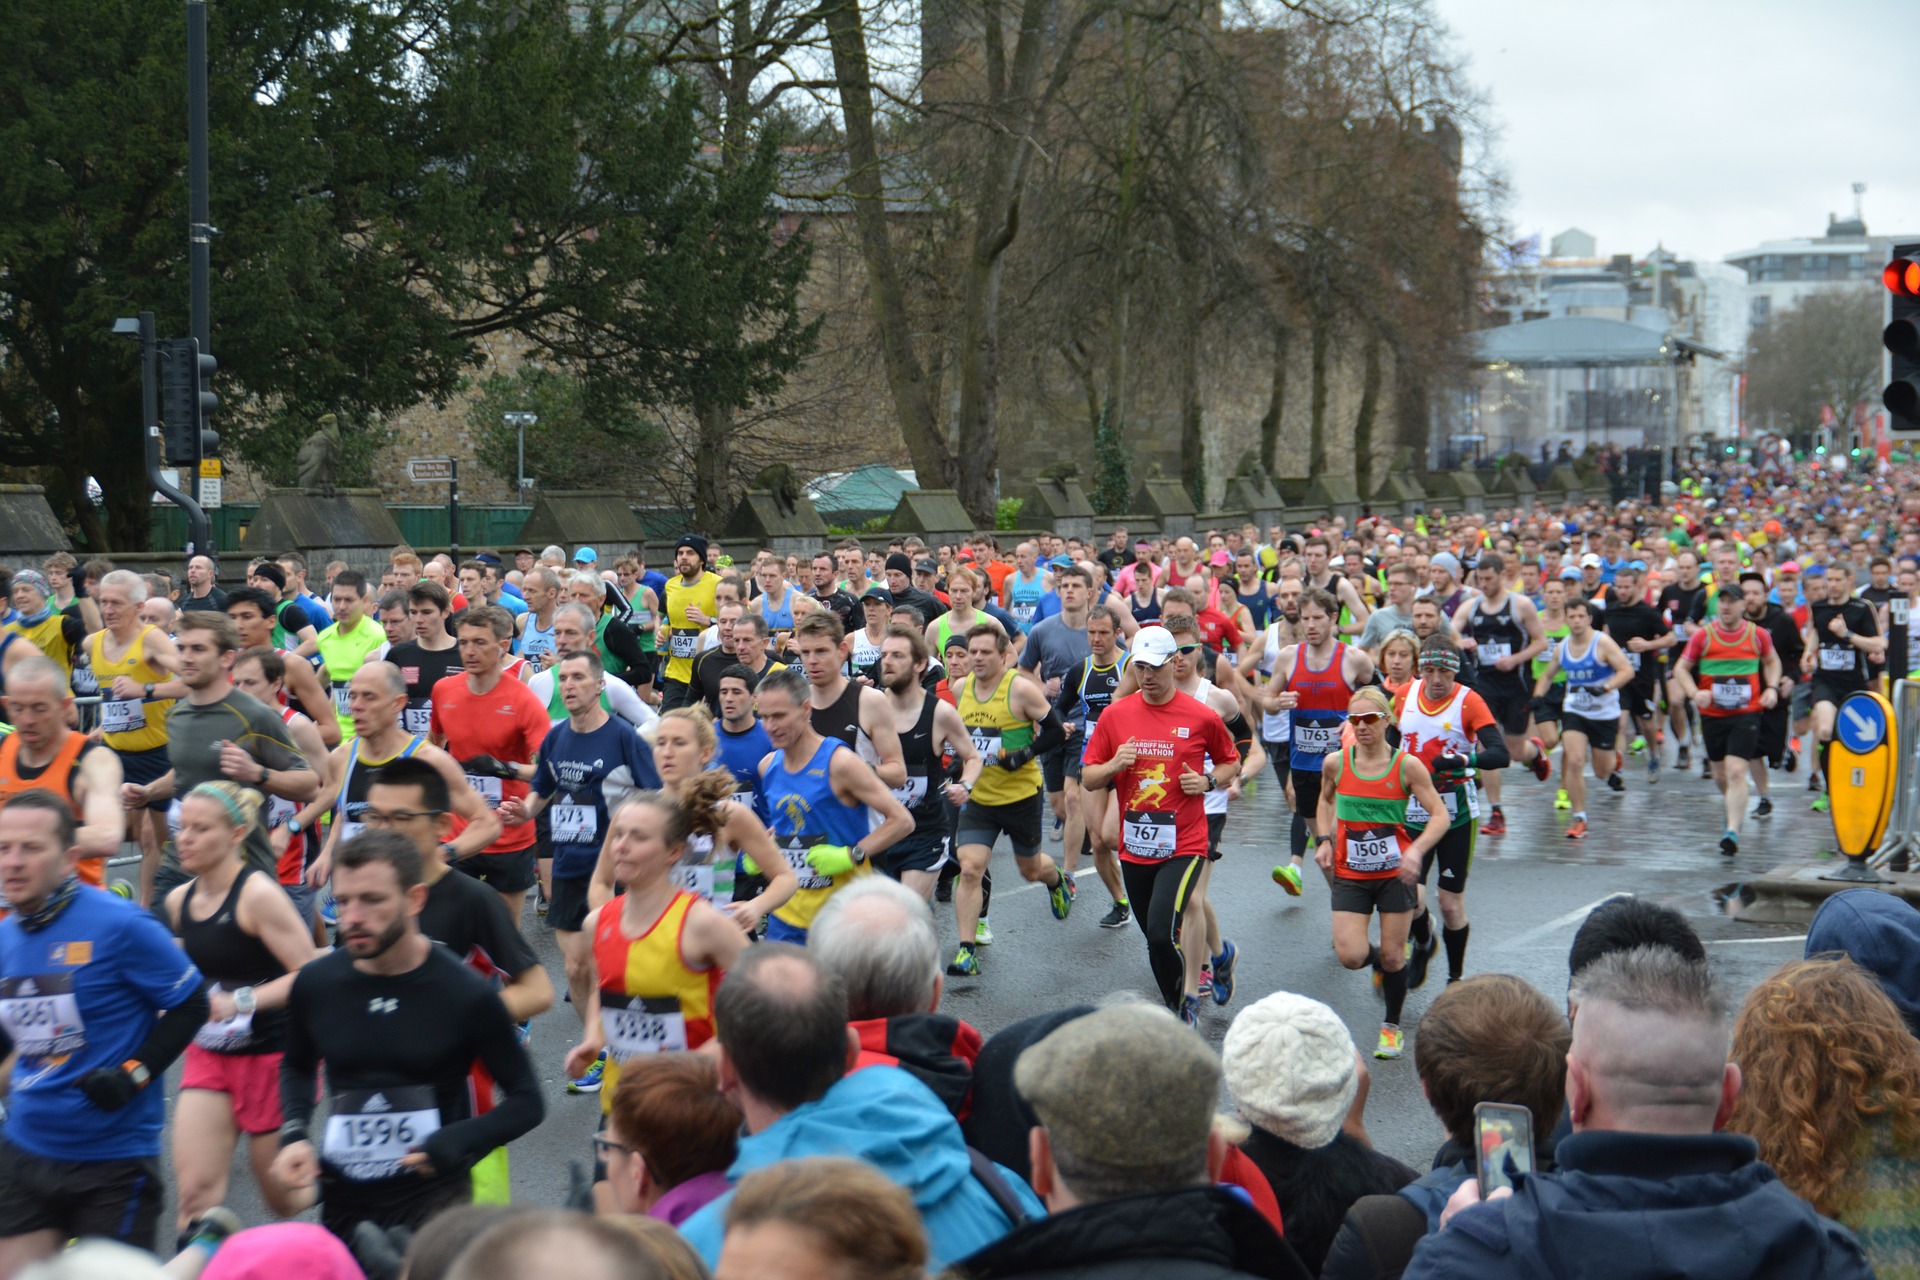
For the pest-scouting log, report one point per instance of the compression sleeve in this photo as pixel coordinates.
(460, 1146)
(174, 1031)
(1242, 734)
(299, 1073)
(1048, 734)
(624, 645)
(1490, 748)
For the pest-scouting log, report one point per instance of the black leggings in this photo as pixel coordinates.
(1159, 893)
(1306, 807)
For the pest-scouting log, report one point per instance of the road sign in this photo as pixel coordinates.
(1862, 768)
(1861, 724)
(430, 470)
(209, 493)
(209, 468)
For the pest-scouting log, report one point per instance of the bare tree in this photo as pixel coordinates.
(1821, 353)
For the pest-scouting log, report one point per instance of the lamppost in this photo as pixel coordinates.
(520, 420)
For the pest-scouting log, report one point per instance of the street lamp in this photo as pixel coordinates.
(520, 420)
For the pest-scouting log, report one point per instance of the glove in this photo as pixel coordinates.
(1449, 763)
(830, 859)
(1015, 759)
(748, 865)
(108, 1088)
(485, 766)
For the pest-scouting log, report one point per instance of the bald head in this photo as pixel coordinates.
(380, 677)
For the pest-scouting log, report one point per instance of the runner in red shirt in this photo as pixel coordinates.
(493, 726)
(1152, 747)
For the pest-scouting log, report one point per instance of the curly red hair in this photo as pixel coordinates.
(1825, 1060)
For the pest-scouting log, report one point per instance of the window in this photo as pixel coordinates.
(1759, 310)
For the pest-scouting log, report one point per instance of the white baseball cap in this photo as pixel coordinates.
(1153, 646)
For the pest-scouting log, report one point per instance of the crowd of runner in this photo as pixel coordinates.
(745, 793)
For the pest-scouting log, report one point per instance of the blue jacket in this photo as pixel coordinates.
(889, 1119)
(1631, 1206)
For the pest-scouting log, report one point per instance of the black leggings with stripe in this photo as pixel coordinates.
(1159, 893)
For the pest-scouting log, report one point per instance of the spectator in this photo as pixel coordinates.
(822, 1217)
(527, 1245)
(1881, 934)
(1625, 922)
(1000, 1121)
(1126, 1157)
(1293, 1072)
(877, 936)
(282, 1250)
(781, 1020)
(1830, 1089)
(431, 1251)
(668, 1247)
(669, 1137)
(1645, 1186)
(1491, 1038)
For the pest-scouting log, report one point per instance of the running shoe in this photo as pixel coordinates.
(982, 934)
(1223, 971)
(523, 1032)
(1765, 808)
(1792, 762)
(1060, 897)
(1683, 759)
(1287, 876)
(1495, 825)
(539, 901)
(1560, 800)
(1729, 843)
(965, 963)
(1577, 830)
(1059, 826)
(1815, 782)
(1391, 1045)
(1190, 1010)
(1820, 803)
(1637, 746)
(1706, 770)
(1615, 782)
(326, 909)
(590, 1082)
(1653, 768)
(1117, 917)
(1206, 981)
(1542, 765)
(1421, 958)
(123, 889)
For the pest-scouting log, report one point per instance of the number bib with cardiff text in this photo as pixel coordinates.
(371, 1129)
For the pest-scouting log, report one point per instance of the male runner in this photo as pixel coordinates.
(1730, 671)
(1594, 670)
(689, 605)
(202, 591)
(42, 753)
(1313, 682)
(1012, 724)
(54, 634)
(830, 812)
(128, 660)
(1152, 747)
(218, 732)
(1775, 721)
(394, 619)
(1022, 589)
(855, 714)
(573, 630)
(534, 628)
(1684, 602)
(399, 1023)
(250, 608)
(1503, 633)
(430, 657)
(1350, 609)
(963, 589)
(1840, 634)
(351, 640)
(96, 1001)
(929, 730)
(493, 725)
(704, 684)
(1642, 632)
(1056, 645)
(261, 674)
(1085, 693)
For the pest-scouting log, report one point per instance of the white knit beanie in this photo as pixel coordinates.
(1289, 1064)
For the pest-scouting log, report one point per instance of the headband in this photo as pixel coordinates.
(226, 801)
(1445, 659)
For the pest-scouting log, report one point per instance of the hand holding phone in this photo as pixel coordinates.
(1502, 1144)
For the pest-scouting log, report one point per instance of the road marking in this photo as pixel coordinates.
(1749, 942)
(1556, 924)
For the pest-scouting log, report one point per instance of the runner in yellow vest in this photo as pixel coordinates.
(690, 608)
(353, 640)
(55, 634)
(129, 659)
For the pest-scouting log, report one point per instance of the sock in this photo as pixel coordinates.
(1393, 985)
(1373, 957)
(1421, 930)
(1297, 837)
(986, 892)
(1581, 816)
(1456, 944)
(1825, 747)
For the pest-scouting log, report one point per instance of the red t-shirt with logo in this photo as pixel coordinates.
(508, 723)
(1157, 819)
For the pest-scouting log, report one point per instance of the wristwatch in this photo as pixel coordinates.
(1212, 782)
(295, 826)
(148, 688)
(858, 855)
(244, 1001)
(137, 1072)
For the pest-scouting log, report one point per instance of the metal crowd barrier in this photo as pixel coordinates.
(1902, 839)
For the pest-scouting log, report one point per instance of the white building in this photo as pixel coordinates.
(1781, 272)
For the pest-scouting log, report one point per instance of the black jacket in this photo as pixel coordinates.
(1316, 1188)
(1200, 1233)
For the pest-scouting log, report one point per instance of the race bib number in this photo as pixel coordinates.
(1492, 653)
(1633, 659)
(371, 1129)
(642, 1024)
(122, 715)
(987, 743)
(575, 824)
(1372, 851)
(40, 1013)
(683, 644)
(1149, 834)
(796, 852)
(1023, 611)
(1316, 738)
(1832, 659)
(225, 1036)
(417, 719)
(1417, 814)
(489, 789)
(340, 697)
(695, 877)
(1730, 695)
(913, 793)
(1583, 699)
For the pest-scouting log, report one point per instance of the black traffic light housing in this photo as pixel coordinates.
(1902, 338)
(186, 405)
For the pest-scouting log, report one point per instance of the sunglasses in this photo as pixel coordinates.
(1187, 648)
(1365, 717)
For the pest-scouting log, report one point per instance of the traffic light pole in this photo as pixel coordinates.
(199, 530)
(199, 219)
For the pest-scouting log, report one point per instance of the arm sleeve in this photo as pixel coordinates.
(1241, 733)
(1221, 738)
(460, 1145)
(624, 645)
(174, 1032)
(1490, 748)
(300, 1063)
(1067, 701)
(293, 618)
(1050, 734)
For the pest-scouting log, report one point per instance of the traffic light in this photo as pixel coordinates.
(186, 406)
(1902, 340)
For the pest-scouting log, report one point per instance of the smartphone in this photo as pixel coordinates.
(1502, 1143)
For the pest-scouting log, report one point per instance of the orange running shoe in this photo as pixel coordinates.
(1577, 830)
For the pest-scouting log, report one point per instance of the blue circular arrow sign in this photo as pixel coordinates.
(1861, 724)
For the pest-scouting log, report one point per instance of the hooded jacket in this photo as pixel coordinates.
(1197, 1233)
(937, 1049)
(1635, 1206)
(1881, 934)
(889, 1119)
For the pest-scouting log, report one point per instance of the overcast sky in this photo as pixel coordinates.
(1706, 125)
